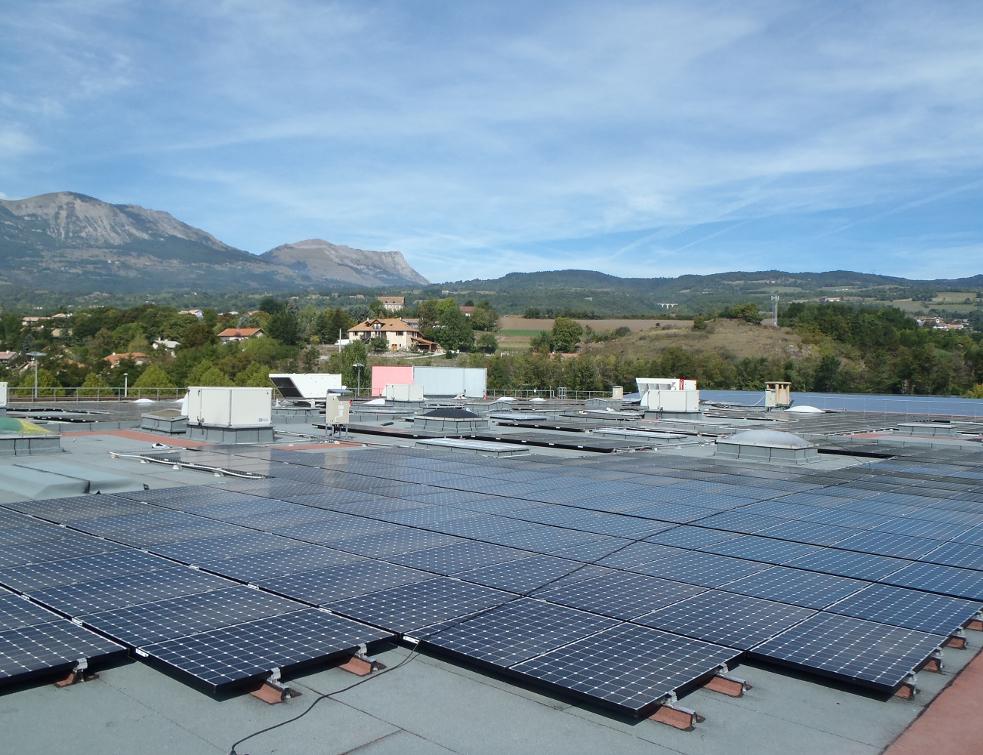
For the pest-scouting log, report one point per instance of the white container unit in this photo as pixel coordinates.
(230, 407)
(669, 395)
(307, 385)
(3, 395)
(400, 392)
(336, 410)
(470, 382)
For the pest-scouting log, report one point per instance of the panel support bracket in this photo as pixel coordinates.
(957, 640)
(361, 664)
(934, 663)
(908, 688)
(672, 714)
(725, 683)
(273, 691)
(80, 673)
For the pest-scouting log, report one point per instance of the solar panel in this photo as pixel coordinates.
(411, 608)
(852, 650)
(742, 521)
(32, 533)
(765, 549)
(591, 551)
(705, 569)
(524, 575)
(673, 512)
(628, 668)
(813, 533)
(342, 581)
(458, 557)
(17, 612)
(850, 564)
(889, 544)
(403, 540)
(190, 614)
(127, 590)
(196, 550)
(51, 648)
(923, 528)
(640, 554)
(298, 557)
(902, 607)
(802, 588)
(966, 555)
(725, 618)
(68, 571)
(223, 658)
(516, 631)
(944, 580)
(619, 595)
(690, 537)
(53, 550)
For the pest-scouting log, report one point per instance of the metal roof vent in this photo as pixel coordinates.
(767, 445)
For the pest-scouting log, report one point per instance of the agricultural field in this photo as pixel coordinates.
(515, 332)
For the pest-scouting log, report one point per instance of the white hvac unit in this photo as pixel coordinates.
(306, 385)
(398, 392)
(3, 395)
(470, 382)
(336, 410)
(230, 407)
(669, 395)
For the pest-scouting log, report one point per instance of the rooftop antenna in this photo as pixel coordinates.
(774, 310)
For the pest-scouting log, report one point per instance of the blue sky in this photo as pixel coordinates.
(636, 138)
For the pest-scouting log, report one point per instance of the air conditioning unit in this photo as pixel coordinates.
(230, 407)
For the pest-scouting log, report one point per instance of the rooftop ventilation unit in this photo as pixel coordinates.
(674, 395)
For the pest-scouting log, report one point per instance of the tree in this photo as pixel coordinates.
(93, 385)
(254, 376)
(213, 376)
(154, 377)
(310, 358)
(379, 344)
(453, 330)
(566, 334)
(271, 305)
(827, 371)
(748, 312)
(354, 353)
(487, 343)
(285, 327)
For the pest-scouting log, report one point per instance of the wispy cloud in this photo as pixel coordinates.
(631, 137)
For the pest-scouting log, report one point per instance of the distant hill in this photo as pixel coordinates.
(591, 291)
(71, 244)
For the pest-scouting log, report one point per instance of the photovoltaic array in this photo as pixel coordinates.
(619, 582)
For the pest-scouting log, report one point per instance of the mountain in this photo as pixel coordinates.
(319, 259)
(74, 245)
(588, 291)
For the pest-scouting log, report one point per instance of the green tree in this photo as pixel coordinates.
(254, 376)
(354, 353)
(154, 377)
(453, 330)
(487, 343)
(310, 358)
(285, 327)
(566, 334)
(93, 385)
(379, 344)
(213, 376)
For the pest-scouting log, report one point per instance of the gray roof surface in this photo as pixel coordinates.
(431, 705)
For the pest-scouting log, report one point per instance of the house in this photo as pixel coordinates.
(6, 356)
(392, 303)
(165, 344)
(466, 309)
(399, 334)
(137, 357)
(193, 312)
(230, 335)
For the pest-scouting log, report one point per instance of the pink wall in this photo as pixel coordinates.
(383, 376)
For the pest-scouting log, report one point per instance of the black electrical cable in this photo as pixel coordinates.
(412, 655)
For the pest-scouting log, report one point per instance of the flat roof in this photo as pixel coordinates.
(429, 704)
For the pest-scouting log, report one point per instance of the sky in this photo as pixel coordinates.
(636, 138)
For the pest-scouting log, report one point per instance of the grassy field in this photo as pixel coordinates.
(726, 336)
(515, 333)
